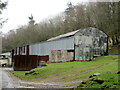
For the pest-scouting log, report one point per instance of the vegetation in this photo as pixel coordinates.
(114, 50)
(102, 15)
(107, 80)
(71, 71)
(2, 6)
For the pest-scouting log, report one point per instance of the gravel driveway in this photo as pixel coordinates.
(9, 81)
(6, 81)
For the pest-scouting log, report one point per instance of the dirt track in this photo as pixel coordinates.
(10, 81)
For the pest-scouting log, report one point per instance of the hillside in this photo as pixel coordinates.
(114, 50)
(70, 71)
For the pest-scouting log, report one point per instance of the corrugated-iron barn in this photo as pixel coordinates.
(79, 45)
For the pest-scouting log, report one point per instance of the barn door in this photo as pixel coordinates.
(83, 47)
(97, 46)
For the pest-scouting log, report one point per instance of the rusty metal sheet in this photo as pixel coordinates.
(25, 62)
(43, 58)
(61, 55)
(63, 35)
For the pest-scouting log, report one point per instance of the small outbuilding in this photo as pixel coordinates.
(5, 59)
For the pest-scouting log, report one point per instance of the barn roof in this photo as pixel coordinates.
(63, 35)
(73, 33)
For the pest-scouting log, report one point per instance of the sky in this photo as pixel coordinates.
(18, 11)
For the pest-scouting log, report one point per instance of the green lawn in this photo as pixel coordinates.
(71, 71)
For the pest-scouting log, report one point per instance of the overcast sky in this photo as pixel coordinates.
(18, 11)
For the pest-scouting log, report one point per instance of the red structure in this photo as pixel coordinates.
(25, 62)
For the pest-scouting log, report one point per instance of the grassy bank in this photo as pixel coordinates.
(71, 71)
(107, 80)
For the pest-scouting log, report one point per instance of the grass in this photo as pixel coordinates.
(71, 71)
(107, 66)
(107, 80)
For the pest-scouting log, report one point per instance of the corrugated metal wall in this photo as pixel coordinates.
(83, 47)
(90, 42)
(45, 48)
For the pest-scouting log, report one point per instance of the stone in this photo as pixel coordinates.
(96, 74)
